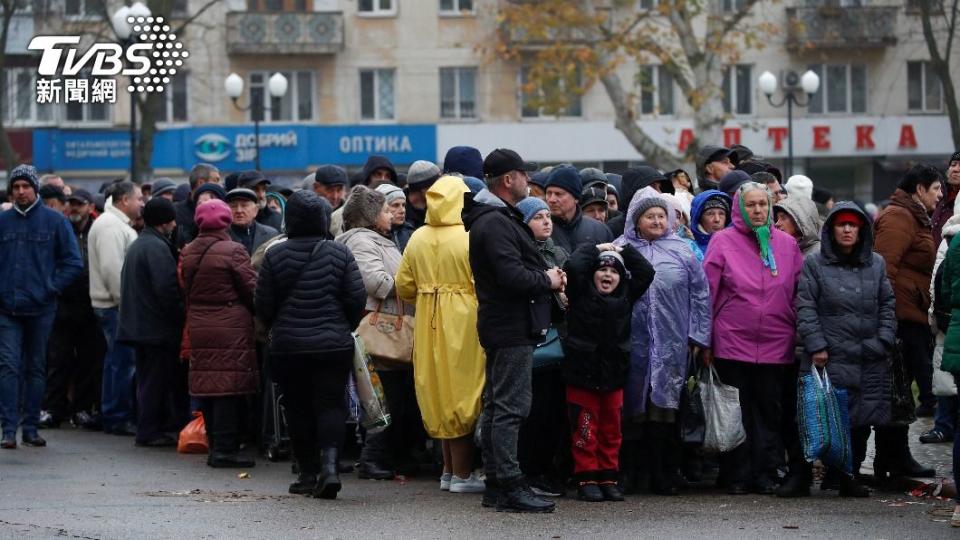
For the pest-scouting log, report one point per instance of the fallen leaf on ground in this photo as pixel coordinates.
(243, 476)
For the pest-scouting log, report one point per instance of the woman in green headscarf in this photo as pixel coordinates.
(753, 270)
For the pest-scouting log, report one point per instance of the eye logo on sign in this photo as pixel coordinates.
(212, 147)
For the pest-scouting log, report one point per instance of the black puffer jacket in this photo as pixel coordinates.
(845, 305)
(597, 346)
(310, 299)
(580, 231)
(510, 276)
(151, 308)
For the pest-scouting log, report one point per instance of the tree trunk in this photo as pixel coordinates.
(148, 129)
(941, 62)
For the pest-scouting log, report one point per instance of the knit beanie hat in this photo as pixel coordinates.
(566, 178)
(465, 160)
(954, 157)
(647, 203)
(716, 202)
(613, 260)
(213, 215)
(158, 211)
(422, 174)
(163, 185)
(763, 231)
(391, 192)
(216, 189)
(362, 208)
(476, 185)
(590, 175)
(24, 172)
(530, 206)
(848, 216)
(799, 185)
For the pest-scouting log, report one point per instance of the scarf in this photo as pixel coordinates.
(763, 238)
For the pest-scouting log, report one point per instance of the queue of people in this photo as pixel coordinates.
(558, 318)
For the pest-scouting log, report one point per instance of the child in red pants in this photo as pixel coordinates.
(603, 282)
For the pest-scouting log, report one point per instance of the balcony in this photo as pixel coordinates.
(251, 32)
(830, 26)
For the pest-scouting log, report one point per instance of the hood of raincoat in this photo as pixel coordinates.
(630, 227)
(805, 214)
(864, 247)
(445, 201)
(696, 212)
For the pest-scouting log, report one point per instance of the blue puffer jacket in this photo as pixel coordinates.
(696, 212)
(40, 259)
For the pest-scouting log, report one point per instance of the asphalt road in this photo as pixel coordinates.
(90, 485)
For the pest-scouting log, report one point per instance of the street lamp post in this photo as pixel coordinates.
(809, 83)
(277, 86)
(122, 25)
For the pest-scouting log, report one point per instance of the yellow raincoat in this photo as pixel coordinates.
(448, 362)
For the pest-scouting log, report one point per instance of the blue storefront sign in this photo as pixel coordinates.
(284, 147)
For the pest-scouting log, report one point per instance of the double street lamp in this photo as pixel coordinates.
(277, 86)
(122, 25)
(809, 83)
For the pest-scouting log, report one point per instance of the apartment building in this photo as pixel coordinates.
(409, 79)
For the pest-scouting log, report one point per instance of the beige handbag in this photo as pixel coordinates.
(388, 338)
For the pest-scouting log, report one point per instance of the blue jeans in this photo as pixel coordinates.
(945, 419)
(119, 367)
(23, 367)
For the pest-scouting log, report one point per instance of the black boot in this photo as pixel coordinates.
(329, 484)
(628, 466)
(491, 493)
(305, 485)
(831, 479)
(661, 477)
(797, 483)
(849, 487)
(895, 460)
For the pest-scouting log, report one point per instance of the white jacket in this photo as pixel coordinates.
(943, 383)
(110, 236)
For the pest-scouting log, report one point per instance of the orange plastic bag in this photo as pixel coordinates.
(193, 437)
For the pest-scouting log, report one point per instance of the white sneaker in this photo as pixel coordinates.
(472, 484)
(445, 481)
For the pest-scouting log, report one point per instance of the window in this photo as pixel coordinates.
(738, 89)
(20, 99)
(173, 104)
(924, 91)
(550, 91)
(377, 94)
(648, 4)
(843, 89)
(458, 92)
(456, 6)
(656, 90)
(377, 7)
(87, 112)
(83, 8)
(294, 106)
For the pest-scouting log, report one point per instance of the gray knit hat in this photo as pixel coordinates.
(362, 208)
(647, 203)
(391, 192)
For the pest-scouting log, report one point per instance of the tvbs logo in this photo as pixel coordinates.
(150, 60)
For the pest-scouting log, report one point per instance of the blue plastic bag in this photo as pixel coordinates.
(824, 421)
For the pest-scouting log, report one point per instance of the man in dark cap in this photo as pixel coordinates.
(163, 187)
(256, 182)
(514, 292)
(77, 346)
(570, 227)
(593, 202)
(330, 182)
(151, 321)
(245, 229)
(200, 174)
(421, 175)
(53, 197)
(712, 163)
(732, 181)
(40, 260)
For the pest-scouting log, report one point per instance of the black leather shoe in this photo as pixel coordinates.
(737, 488)
(32, 438)
(764, 486)
(304, 485)
(9, 441)
(372, 471)
(611, 491)
(125, 429)
(160, 441)
(48, 420)
(230, 462)
(492, 494)
(797, 485)
(519, 498)
(329, 484)
(849, 487)
(589, 492)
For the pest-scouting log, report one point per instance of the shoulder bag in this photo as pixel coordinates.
(388, 337)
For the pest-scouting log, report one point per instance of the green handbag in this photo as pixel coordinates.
(549, 352)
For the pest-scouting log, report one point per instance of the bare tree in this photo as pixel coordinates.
(9, 9)
(939, 20)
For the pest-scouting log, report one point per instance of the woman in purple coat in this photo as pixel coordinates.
(669, 319)
(753, 270)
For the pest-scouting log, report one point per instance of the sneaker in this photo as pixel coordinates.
(471, 484)
(445, 481)
(935, 436)
(48, 420)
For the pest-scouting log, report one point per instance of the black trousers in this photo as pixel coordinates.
(313, 389)
(75, 354)
(392, 447)
(760, 404)
(918, 356)
(163, 402)
(788, 423)
(543, 448)
(221, 415)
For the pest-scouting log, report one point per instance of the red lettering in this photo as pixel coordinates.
(686, 139)
(865, 138)
(778, 134)
(821, 137)
(908, 139)
(731, 136)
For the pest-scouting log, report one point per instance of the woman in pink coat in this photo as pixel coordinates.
(753, 270)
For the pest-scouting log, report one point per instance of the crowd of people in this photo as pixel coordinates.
(558, 318)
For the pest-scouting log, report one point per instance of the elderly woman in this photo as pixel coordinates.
(367, 219)
(218, 282)
(753, 270)
(447, 358)
(849, 334)
(672, 317)
(311, 296)
(400, 229)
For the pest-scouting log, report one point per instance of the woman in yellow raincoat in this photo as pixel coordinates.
(448, 362)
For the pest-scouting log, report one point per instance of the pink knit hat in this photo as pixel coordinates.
(212, 215)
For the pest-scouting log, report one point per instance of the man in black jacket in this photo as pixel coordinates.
(570, 227)
(201, 173)
(151, 320)
(245, 229)
(514, 292)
